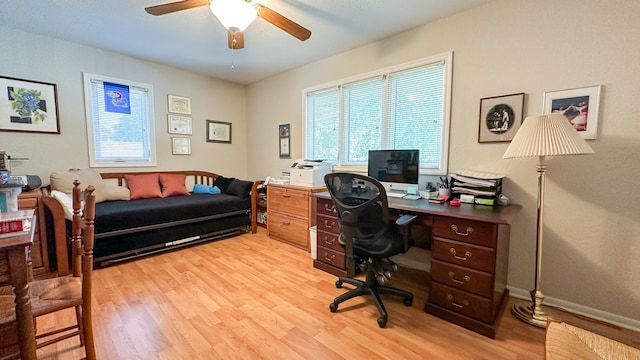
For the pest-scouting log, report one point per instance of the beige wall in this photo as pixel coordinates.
(592, 224)
(592, 228)
(40, 58)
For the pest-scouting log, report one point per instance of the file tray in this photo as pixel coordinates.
(485, 188)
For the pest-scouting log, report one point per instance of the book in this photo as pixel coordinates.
(14, 223)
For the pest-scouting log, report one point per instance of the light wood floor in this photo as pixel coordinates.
(250, 297)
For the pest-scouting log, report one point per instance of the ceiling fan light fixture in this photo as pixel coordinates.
(235, 15)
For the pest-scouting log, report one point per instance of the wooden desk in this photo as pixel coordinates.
(470, 253)
(15, 264)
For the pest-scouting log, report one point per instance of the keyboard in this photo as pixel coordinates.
(396, 194)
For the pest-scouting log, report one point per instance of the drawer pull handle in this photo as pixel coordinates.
(469, 230)
(466, 256)
(329, 225)
(286, 195)
(330, 208)
(286, 223)
(466, 278)
(329, 258)
(329, 241)
(461, 306)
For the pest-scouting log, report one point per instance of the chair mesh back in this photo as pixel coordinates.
(361, 203)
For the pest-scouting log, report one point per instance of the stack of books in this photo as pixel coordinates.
(15, 223)
(477, 187)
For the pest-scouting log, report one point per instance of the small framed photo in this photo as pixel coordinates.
(218, 131)
(500, 117)
(179, 104)
(580, 106)
(179, 124)
(28, 106)
(181, 145)
(284, 134)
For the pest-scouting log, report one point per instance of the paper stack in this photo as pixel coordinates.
(485, 188)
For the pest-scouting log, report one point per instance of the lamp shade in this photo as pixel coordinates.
(547, 135)
(235, 15)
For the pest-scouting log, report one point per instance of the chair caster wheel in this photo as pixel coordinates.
(333, 307)
(382, 321)
(408, 301)
(339, 284)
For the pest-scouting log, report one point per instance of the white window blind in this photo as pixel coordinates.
(119, 139)
(404, 107)
(324, 107)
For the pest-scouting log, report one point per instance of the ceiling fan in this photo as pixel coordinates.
(235, 15)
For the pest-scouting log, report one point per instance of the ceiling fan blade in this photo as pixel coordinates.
(238, 37)
(175, 6)
(282, 22)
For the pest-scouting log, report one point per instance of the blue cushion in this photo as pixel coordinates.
(205, 189)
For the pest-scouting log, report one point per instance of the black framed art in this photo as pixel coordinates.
(500, 117)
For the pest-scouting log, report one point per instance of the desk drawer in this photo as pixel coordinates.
(331, 257)
(328, 224)
(480, 258)
(289, 229)
(329, 240)
(326, 207)
(462, 278)
(469, 231)
(290, 201)
(461, 302)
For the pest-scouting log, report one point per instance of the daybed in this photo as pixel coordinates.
(160, 213)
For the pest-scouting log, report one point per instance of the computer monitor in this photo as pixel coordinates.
(395, 169)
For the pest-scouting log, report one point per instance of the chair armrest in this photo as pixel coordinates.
(59, 232)
(405, 220)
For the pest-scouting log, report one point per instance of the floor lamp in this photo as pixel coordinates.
(542, 136)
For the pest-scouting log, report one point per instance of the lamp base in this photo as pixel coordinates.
(527, 312)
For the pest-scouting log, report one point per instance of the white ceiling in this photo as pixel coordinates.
(194, 39)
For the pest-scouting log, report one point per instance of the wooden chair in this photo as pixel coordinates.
(73, 291)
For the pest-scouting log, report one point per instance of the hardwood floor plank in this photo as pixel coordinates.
(251, 297)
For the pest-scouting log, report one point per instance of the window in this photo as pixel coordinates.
(403, 107)
(119, 122)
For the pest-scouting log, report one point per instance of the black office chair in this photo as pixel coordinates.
(368, 237)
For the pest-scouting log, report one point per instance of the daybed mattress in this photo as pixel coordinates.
(130, 214)
(129, 228)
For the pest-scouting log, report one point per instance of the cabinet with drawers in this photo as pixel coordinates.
(330, 254)
(39, 253)
(290, 213)
(469, 262)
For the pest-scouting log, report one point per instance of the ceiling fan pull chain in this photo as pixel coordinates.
(233, 50)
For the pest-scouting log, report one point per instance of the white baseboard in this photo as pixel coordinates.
(596, 314)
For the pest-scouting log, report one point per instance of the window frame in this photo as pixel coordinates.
(88, 80)
(446, 58)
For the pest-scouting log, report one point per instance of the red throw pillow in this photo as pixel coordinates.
(143, 186)
(173, 185)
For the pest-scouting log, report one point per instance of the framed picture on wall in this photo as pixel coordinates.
(179, 104)
(28, 106)
(179, 124)
(181, 146)
(218, 131)
(284, 134)
(580, 107)
(500, 117)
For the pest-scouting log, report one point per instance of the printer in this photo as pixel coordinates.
(309, 173)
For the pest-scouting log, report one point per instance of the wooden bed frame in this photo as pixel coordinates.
(192, 178)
